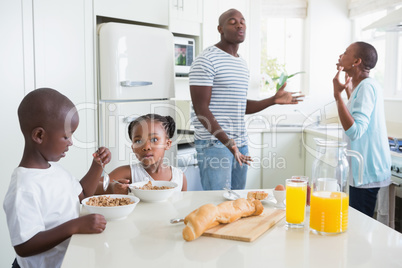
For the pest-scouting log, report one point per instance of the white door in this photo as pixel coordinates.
(114, 120)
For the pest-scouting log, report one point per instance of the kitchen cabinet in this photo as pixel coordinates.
(282, 157)
(146, 11)
(254, 170)
(186, 17)
(311, 148)
(63, 46)
(12, 73)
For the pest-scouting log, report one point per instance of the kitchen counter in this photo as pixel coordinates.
(147, 239)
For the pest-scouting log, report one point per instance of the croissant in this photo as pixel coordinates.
(209, 215)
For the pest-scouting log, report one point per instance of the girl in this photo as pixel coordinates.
(151, 136)
(363, 120)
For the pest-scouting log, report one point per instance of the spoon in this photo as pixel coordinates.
(106, 178)
(176, 220)
(129, 190)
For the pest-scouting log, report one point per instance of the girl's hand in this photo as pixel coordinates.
(91, 224)
(241, 158)
(102, 156)
(121, 187)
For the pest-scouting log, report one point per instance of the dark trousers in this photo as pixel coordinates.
(15, 264)
(363, 199)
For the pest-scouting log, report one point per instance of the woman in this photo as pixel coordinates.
(363, 120)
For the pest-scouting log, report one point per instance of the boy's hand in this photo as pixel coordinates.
(91, 224)
(102, 156)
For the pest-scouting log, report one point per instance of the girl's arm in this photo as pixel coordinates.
(121, 174)
(45, 240)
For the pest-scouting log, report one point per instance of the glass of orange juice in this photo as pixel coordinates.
(329, 212)
(296, 195)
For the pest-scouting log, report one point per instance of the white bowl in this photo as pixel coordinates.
(153, 195)
(113, 213)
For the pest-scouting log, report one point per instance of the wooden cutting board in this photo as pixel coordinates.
(247, 229)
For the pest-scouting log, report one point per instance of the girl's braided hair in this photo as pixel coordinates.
(167, 122)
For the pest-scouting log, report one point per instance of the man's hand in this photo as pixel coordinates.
(285, 97)
(231, 145)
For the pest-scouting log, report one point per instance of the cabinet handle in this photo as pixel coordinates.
(182, 5)
(135, 83)
(176, 5)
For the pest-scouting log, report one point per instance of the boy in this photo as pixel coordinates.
(42, 202)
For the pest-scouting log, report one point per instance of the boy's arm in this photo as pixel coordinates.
(90, 181)
(45, 240)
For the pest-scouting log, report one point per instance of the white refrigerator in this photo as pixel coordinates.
(136, 77)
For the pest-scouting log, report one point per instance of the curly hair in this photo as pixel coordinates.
(168, 123)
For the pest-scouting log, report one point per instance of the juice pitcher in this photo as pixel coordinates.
(329, 203)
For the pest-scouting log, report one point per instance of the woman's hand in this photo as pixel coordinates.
(241, 158)
(286, 97)
(338, 86)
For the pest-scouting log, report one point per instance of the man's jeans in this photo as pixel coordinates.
(218, 167)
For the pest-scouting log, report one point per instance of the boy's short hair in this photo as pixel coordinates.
(42, 107)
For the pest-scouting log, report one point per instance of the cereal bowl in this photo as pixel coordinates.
(153, 195)
(111, 212)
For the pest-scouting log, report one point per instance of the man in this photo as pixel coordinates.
(218, 86)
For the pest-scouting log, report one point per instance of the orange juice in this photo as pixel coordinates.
(329, 212)
(295, 202)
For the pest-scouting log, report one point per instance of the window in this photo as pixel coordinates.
(389, 48)
(281, 51)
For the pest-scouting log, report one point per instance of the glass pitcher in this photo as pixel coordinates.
(329, 201)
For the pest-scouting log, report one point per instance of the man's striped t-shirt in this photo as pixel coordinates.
(228, 76)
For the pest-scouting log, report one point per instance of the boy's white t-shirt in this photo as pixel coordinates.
(38, 200)
(138, 173)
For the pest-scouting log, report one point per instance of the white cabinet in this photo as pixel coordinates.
(282, 157)
(254, 170)
(147, 11)
(311, 147)
(12, 72)
(186, 16)
(63, 50)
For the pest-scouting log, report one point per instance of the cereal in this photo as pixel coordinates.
(149, 186)
(107, 201)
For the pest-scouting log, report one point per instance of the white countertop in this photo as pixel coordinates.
(147, 239)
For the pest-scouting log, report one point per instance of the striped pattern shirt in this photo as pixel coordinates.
(229, 78)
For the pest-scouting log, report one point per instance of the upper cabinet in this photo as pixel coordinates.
(186, 17)
(145, 11)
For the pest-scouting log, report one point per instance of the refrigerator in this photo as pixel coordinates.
(136, 77)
